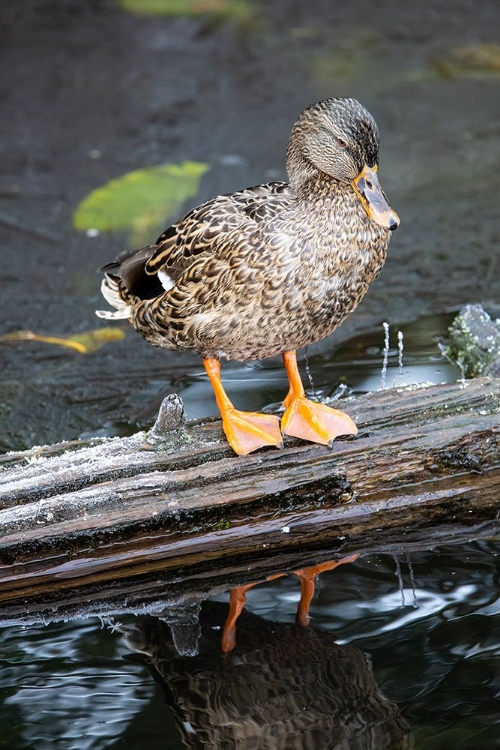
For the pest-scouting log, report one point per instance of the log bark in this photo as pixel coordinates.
(122, 518)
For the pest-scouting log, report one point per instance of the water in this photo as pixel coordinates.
(119, 390)
(433, 637)
(354, 367)
(428, 621)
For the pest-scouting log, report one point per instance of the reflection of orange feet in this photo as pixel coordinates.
(237, 599)
(247, 431)
(315, 422)
(307, 578)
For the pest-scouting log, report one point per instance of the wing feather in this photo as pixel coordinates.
(205, 232)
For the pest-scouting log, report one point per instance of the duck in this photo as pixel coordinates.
(268, 269)
(284, 687)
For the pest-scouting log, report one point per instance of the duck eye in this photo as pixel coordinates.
(342, 143)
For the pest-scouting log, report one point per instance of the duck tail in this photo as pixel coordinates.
(115, 293)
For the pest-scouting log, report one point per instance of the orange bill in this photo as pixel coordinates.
(367, 188)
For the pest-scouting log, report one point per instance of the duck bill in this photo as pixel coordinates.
(367, 188)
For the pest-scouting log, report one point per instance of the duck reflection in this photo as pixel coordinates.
(307, 580)
(283, 687)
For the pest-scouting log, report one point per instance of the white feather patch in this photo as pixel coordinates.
(110, 290)
(166, 282)
(118, 315)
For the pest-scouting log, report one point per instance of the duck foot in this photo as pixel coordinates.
(307, 419)
(315, 422)
(247, 431)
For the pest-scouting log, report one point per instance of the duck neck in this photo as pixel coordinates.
(299, 170)
(319, 188)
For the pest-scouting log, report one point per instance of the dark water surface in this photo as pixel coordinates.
(429, 621)
(91, 92)
(357, 366)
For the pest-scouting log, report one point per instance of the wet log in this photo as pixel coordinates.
(178, 511)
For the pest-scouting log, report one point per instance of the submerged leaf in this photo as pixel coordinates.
(94, 340)
(141, 200)
(228, 8)
(351, 56)
(85, 343)
(476, 60)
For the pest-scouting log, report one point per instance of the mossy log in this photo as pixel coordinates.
(177, 514)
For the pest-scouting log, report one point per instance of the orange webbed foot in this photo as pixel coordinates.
(307, 419)
(315, 422)
(248, 431)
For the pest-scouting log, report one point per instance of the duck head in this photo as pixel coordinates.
(340, 138)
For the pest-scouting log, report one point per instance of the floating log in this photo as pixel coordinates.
(177, 511)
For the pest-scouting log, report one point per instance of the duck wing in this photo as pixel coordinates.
(220, 233)
(204, 232)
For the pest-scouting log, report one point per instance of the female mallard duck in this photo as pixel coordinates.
(269, 269)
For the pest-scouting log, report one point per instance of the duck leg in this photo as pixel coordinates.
(307, 578)
(237, 600)
(246, 431)
(307, 419)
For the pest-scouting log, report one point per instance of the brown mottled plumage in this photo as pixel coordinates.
(272, 268)
(283, 688)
